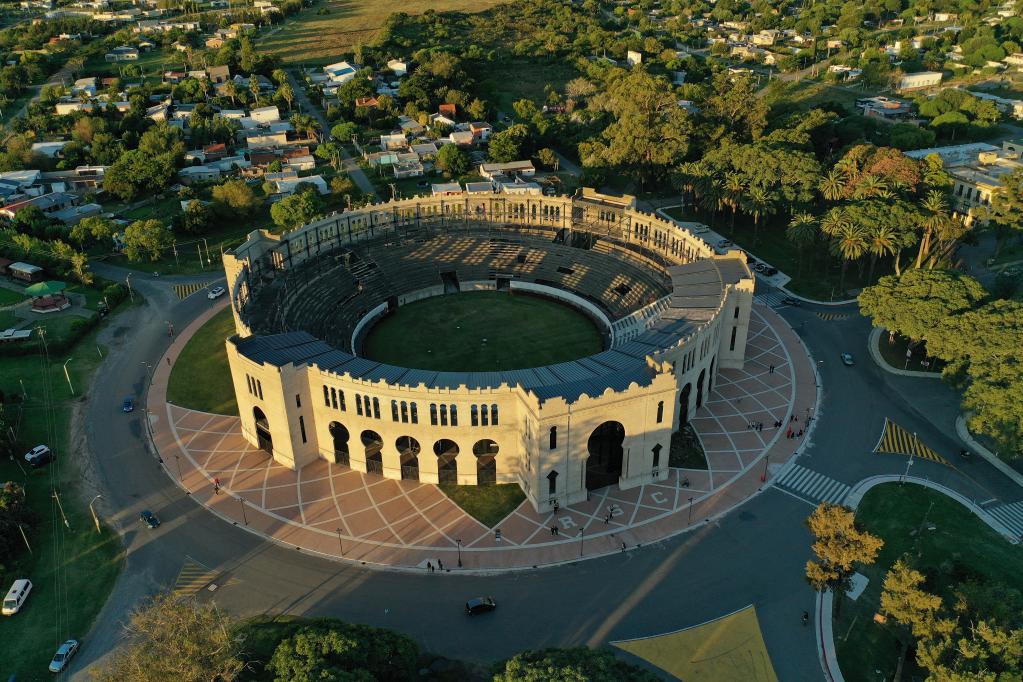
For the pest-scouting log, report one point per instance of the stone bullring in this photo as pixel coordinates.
(671, 311)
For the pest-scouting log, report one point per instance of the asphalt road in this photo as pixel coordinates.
(755, 555)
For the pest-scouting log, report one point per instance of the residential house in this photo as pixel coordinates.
(159, 112)
(885, 108)
(124, 53)
(523, 168)
(264, 115)
(174, 77)
(407, 166)
(73, 215)
(398, 67)
(267, 140)
(448, 111)
(340, 72)
(445, 189)
(85, 87)
(393, 142)
(479, 187)
(192, 174)
(47, 203)
(924, 79)
(50, 150)
(633, 58)
(463, 138)
(425, 150)
(976, 170)
(517, 186)
(766, 37)
(367, 102)
(214, 152)
(218, 74)
(437, 120)
(287, 186)
(410, 126)
(214, 42)
(481, 129)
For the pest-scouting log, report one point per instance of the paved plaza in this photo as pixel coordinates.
(337, 512)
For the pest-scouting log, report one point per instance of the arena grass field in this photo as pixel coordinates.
(482, 331)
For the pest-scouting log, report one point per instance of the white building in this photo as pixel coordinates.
(924, 79)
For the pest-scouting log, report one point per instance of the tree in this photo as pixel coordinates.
(296, 210)
(903, 600)
(735, 107)
(343, 651)
(802, 231)
(235, 196)
(935, 218)
(196, 218)
(547, 158)
(453, 160)
(285, 93)
(13, 513)
(344, 132)
(569, 665)
(649, 133)
(513, 144)
(915, 303)
(95, 227)
(331, 152)
(839, 544)
(1006, 210)
(172, 639)
(146, 238)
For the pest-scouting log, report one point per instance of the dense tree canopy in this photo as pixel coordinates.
(917, 302)
(346, 653)
(569, 665)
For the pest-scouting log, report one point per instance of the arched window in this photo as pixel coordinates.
(443, 415)
(474, 415)
(554, 437)
(394, 410)
(552, 483)
(493, 415)
(660, 412)
(454, 415)
(484, 416)
(657, 455)
(415, 414)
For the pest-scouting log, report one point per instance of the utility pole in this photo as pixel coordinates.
(340, 547)
(25, 538)
(61, 508)
(68, 376)
(199, 250)
(95, 518)
(127, 281)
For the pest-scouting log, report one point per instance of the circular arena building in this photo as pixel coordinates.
(669, 312)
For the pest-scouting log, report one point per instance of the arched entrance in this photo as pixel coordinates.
(683, 405)
(699, 388)
(710, 377)
(604, 465)
(373, 443)
(340, 435)
(486, 461)
(266, 441)
(447, 460)
(408, 452)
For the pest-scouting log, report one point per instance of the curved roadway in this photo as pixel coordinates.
(754, 555)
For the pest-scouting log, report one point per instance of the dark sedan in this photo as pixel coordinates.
(479, 605)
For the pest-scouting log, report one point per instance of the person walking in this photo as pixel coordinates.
(429, 567)
(440, 564)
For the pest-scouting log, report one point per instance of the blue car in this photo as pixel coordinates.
(149, 518)
(128, 405)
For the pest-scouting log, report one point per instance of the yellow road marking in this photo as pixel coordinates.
(192, 578)
(186, 290)
(896, 440)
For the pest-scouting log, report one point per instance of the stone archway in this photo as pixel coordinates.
(447, 460)
(683, 405)
(373, 444)
(604, 465)
(263, 436)
(408, 453)
(699, 388)
(340, 436)
(486, 461)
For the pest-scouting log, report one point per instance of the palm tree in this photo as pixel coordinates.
(733, 189)
(688, 174)
(832, 185)
(849, 242)
(882, 240)
(759, 203)
(708, 192)
(304, 123)
(231, 90)
(869, 186)
(802, 231)
(935, 218)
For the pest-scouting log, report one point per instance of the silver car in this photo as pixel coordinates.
(63, 655)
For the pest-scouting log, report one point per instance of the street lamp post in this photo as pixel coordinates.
(459, 543)
(902, 481)
(763, 476)
(241, 501)
(127, 281)
(95, 518)
(582, 538)
(341, 549)
(177, 460)
(68, 376)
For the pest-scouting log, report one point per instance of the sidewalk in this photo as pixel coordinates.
(342, 514)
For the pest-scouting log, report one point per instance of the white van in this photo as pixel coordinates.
(16, 596)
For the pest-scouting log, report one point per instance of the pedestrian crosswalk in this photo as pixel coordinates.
(772, 298)
(192, 578)
(1011, 515)
(830, 317)
(186, 290)
(816, 486)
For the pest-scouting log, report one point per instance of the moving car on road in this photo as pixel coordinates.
(128, 405)
(478, 605)
(16, 596)
(215, 292)
(39, 456)
(63, 655)
(847, 359)
(149, 518)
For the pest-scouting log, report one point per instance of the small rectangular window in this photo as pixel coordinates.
(415, 414)
(259, 388)
(736, 315)
(341, 399)
(298, 400)
(731, 345)
(301, 428)
(394, 410)
(333, 398)
(454, 415)
(358, 405)
(443, 415)
(484, 416)
(493, 415)
(326, 396)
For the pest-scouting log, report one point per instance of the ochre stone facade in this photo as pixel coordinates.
(678, 313)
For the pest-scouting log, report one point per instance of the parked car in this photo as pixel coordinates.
(788, 300)
(39, 456)
(149, 518)
(16, 596)
(215, 292)
(128, 405)
(478, 605)
(760, 267)
(770, 271)
(699, 228)
(723, 244)
(847, 359)
(64, 653)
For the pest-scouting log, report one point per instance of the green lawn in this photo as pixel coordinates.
(8, 319)
(959, 547)
(510, 80)
(201, 377)
(10, 297)
(488, 504)
(85, 562)
(482, 331)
